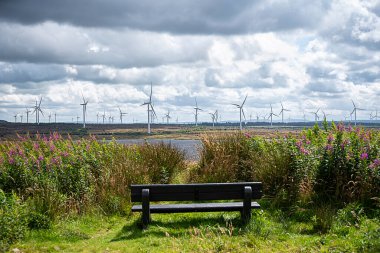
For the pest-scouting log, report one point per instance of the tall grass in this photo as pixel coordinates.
(59, 176)
(338, 165)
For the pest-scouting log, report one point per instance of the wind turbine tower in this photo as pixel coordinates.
(241, 111)
(15, 116)
(37, 110)
(316, 116)
(21, 116)
(121, 115)
(150, 108)
(196, 112)
(167, 116)
(271, 114)
(84, 104)
(27, 114)
(354, 110)
(282, 113)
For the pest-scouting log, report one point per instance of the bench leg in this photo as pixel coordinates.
(145, 208)
(246, 212)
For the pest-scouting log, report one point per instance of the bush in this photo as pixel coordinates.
(12, 220)
(60, 176)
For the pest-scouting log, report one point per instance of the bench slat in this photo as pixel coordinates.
(196, 207)
(193, 192)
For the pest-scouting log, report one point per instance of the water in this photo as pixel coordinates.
(190, 147)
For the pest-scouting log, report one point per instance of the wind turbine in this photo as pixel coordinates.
(167, 116)
(196, 112)
(21, 116)
(241, 110)
(49, 117)
(97, 118)
(150, 108)
(282, 112)
(27, 114)
(214, 117)
(15, 116)
(78, 119)
(37, 110)
(55, 118)
(121, 115)
(271, 114)
(84, 104)
(355, 109)
(325, 115)
(304, 117)
(316, 116)
(374, 116)
(257, 117)
(104, 116)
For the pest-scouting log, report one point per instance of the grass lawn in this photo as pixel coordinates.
(198, 232)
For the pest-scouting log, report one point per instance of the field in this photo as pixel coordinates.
(321, 192)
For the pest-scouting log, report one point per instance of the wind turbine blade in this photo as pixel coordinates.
(40, 102)
(236, 105)
(244, 100)
(243, 113)
(353, 103)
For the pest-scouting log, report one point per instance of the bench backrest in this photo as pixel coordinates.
(194, 192)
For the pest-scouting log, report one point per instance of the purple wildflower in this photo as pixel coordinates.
(11, 160)
(329, 147)
(364, 156)
(340, 127)
(308, 142)
(36, 146)
(247, 135)
(40, 158)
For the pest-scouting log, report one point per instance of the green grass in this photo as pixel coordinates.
(198, 232)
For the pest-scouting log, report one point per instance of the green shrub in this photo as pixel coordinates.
(38, 221)
(12, 220)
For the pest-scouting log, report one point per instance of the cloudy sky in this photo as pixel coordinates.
(307, 54)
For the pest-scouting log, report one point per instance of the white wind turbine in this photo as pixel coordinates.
(282, 113)
(55, 118)
(325, 115)
(355, 109)
(15, 116)
(241, 111)
(196, 112)
(214, 117)
(27, 114)
(21, 116)
(167, 116)
(37, 110)
(316, 116)
(373, 116)
(78, 119)
(49, 117)
(121, 115)
(84, 104)
(271, 114)
(104, 116)
(150, 108)
(97, 118)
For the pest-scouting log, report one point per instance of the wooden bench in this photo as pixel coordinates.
(245, 191)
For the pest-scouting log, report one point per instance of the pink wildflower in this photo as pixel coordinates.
(329, 147)
(36, 146)
(364, 156)
(40, 158)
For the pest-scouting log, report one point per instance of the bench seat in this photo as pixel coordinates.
(196, 207)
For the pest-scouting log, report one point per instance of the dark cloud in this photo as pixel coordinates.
(180, 16)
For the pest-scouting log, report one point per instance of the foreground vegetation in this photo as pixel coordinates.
(321, 188)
